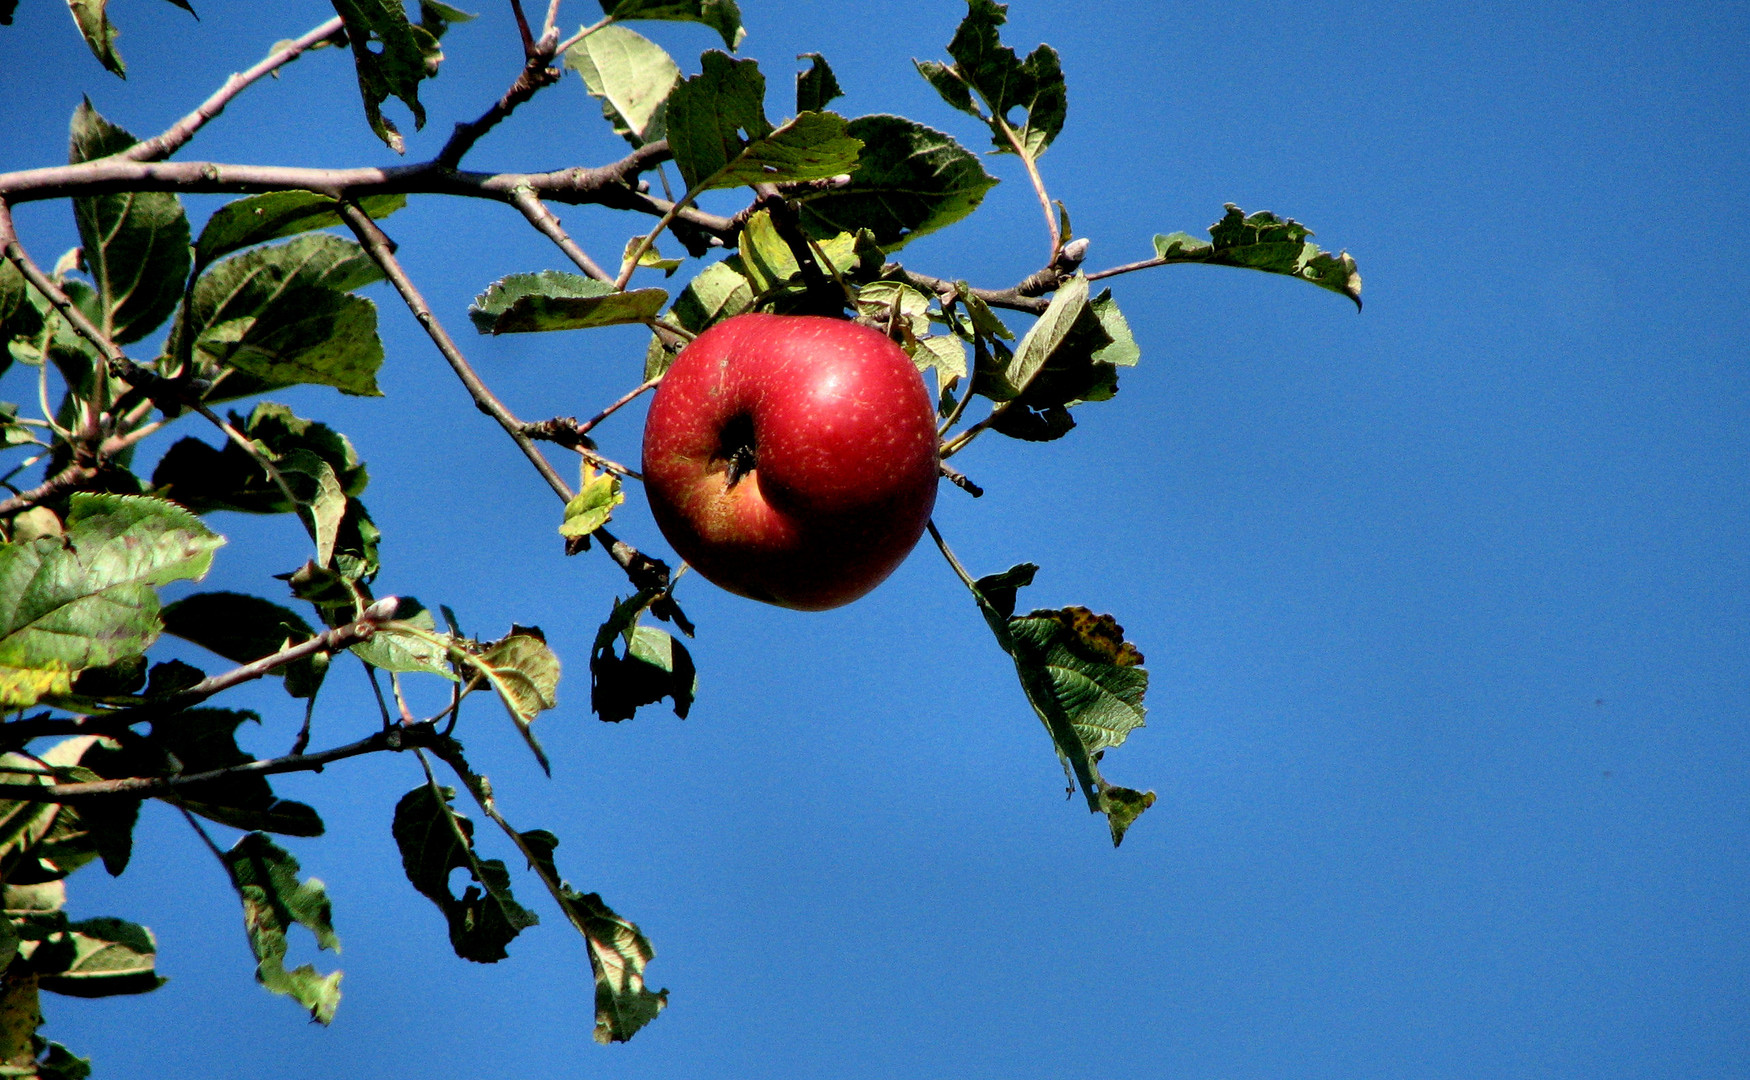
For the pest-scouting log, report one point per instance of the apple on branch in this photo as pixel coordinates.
(792, 458)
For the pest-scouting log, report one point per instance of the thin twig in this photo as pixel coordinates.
(559, 50)
(549, 226)
(71, 478)
(377, 245)
(162, 146)
(959, 480)
(942, 545)
(535, 75)
(206, 838)
(410, 736)
(958, 443)
(624, 400)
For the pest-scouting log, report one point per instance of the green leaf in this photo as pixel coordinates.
(594, 502)
(107, 957)
(274, 900)
(92, 18)
(984, 66)
(1042, 339)
(243, 629)
(135, 243)
(395, 650)
(19, 318)
(434, 839)
(1084, 681)
(879, 300)
(556, 300)
(87, 599)
(204, 478)
(56, 1062)
(945, 353)
(1082, 366)
(436, 17)
(816, 86)
(277, 214)
(525, 674)
(649, 257)
(649, 666)
(44, 842)
(391, 56)
(632, 76)
(720, 137)
(720, 15)
(618, 953)
(1263, 241)
(770, 265)
(285, 315)
(910, 180)
(717, 292)
(202, 740)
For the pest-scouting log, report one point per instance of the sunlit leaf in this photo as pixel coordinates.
(1084, 681)
(88, 599)
(556, 300)
(284, 314)
(618, 954)
(525, 674)
(274, 900)
(98, 958)
(632, 76)
(720, 137)
(593, 504)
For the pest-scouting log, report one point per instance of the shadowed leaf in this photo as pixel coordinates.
(720, 15)
(243, 629)
(392, 56)
(435, 840)
(910, 180)
(1263, 241)
(985, 67)
(816, 86)
(277, 214)
(135, 242)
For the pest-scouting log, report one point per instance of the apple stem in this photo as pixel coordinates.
(942, 545)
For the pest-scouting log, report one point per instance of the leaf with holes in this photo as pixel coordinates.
(274, 900)
(434, 840)
(391, 56)
(1002, 82)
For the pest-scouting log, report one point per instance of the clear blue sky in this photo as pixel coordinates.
(1446, 605)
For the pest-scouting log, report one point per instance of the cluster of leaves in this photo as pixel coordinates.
(264, 298)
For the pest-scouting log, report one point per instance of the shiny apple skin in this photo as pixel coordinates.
(845, 458)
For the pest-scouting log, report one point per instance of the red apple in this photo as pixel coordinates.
(792, 458)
